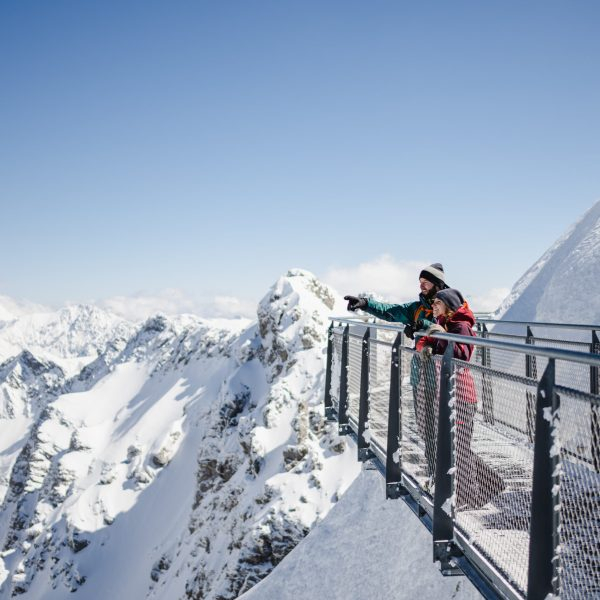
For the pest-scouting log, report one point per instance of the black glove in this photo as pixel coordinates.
(409, 330)
(355, 303)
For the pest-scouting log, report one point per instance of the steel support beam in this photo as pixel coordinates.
(393, 462)
(444, 548)
(343, 425)
(545, 501)
(364, 443)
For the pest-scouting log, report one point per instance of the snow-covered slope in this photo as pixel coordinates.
(180, 459)
(563, 285)
(366, 547)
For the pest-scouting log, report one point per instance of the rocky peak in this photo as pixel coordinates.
(292, 316)
(26, 382)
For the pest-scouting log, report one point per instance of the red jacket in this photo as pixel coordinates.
(460, 323)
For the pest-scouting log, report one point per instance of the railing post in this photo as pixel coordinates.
(393, 457)
(484, 353)
(329, 410)
(444, 547)
(343, 425)
(487, 401)
(530, 361)
(545, 501)
(364, 436)
(595, 412)
(531, 372)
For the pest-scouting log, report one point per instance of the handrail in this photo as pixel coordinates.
(581, 326)
(546, 351)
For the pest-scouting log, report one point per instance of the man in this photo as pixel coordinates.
(415, 315)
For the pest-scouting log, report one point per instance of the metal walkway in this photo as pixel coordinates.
(502, 466)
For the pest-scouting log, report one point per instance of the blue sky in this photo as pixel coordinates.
(208, 147)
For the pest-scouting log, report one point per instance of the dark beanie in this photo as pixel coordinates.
(452, 298)
(434, 274)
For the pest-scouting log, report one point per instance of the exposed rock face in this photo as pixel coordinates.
(184, 461)
(25, 383)
(285, 327)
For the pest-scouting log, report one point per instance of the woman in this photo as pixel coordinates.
(476, 483)
(452, 315)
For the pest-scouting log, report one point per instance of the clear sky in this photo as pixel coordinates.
(210, 146)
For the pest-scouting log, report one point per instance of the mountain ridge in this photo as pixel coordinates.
(215, 436)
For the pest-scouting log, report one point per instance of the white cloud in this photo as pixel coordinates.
(174, 301)
(397, 281)
(230, 307)
(382, 277)
(12, 309)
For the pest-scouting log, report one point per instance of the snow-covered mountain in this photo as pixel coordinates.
(70, 337)
(177, 458)
(561, 286)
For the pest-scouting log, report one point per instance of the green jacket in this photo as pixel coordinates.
(411, 312)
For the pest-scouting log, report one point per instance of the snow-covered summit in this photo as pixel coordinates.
(562, 285)
(292, 316)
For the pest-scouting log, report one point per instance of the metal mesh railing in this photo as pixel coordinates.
(573, 375)
(380, 356)
(419, 416)
(355, 345)
(579, 428)
(494, 466)
(494, 436)
(503, 360)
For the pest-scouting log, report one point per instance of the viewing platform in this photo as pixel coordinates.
(499, 457)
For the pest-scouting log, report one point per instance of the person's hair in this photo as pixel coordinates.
(448, 313)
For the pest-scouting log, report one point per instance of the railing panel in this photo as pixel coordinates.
(355, 344)
(494, 461)
(569, 374)
(380, 357)
(579, 498)
(502, 360)
(420, 388)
